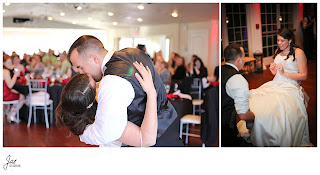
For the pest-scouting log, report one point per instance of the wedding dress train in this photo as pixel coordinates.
(280, 110)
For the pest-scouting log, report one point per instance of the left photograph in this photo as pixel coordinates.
(110, 75)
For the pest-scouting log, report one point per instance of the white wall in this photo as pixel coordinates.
(30, 40)
(178, 35)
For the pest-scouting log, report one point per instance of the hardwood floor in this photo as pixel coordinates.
(309, 85)
(19, 135)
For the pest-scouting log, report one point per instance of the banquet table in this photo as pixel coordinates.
(182, 106)
(54, 91)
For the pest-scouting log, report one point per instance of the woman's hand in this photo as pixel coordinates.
(280, 68)
(146, 81)
(272, 68)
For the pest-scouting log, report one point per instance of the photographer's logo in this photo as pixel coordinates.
(10, 163)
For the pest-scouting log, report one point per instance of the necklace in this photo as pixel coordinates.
(286, 52)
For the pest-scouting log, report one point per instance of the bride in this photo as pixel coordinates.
(280, 105)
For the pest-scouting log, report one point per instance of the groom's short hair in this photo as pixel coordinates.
(232, 52)
(84, 43)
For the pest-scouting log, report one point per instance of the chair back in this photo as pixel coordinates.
(37, 85)
(196, 87)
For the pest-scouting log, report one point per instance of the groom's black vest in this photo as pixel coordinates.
(228, 111)
(121, 64)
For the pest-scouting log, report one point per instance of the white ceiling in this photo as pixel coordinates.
(125, 14)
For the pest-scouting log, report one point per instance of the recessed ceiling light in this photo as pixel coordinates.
(110, 13)
(7, 3)
(50, 18)
(115, 23)
(79, 8)
(89, 18)
(174, 14)
(139, 19)
(74, 22)
(62, 14)
(97, 26)
(140, 7)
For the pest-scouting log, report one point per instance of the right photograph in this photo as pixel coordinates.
(268, 75)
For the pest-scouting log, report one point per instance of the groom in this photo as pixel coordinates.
(234, 95)
(88, 54)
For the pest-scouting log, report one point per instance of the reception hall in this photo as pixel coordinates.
(181, 40)
(259, 28)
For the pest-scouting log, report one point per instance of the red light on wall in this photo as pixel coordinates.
(257, 26)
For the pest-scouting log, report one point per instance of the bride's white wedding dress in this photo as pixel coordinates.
(280, 110)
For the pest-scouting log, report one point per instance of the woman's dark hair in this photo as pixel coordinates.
(289, 35)
(74, 109)
(198, 59)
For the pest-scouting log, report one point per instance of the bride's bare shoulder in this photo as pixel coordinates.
(300, 53)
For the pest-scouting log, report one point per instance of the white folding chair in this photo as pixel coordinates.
(39, 102)
(192, 118)
(195, 93)
(13, 102)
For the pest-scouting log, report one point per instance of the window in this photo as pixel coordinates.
(237, 25)
(131, 42)
(274, 17)
(286, 15)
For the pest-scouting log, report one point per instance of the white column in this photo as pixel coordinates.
(254, 34)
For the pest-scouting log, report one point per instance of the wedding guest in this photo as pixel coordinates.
(192, 60)
(16, 64)
(164, 73)
(172, 62)
(72, 71)
(26, 60)
(143, 48)
(9, 79)
(65, 63)
(37, 67)
(234, 95)
(309, 33)
(180, 71)
(197, 69)
(50, 59)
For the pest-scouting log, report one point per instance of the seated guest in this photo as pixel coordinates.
(26, 60)
(211, 80)
(50, 59)
(65, 63)
(72, 71)
(192, 60)
(37, 67)
(16, 64)
(164, 73)
(9, 79)
(157, 60)
(143, 48)
(172, 62)
(180, 70)
(197, 69)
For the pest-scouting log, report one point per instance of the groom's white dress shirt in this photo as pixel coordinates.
(237, 88)
(115, 94)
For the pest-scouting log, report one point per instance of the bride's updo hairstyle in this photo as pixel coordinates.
(77, 107)
(289, 35)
